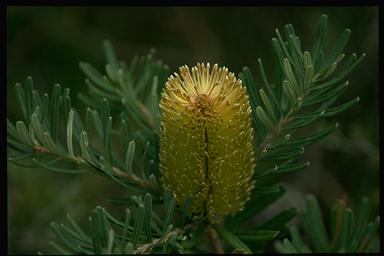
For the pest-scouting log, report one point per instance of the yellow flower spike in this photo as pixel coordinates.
(206, 140)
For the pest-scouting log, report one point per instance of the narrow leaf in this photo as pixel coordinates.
(129, 157)
(70, 134)
(139, 221)
(147, 216)
(319, 39)
(231, 239)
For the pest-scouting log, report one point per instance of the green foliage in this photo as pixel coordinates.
(53, 135)
(304, 89)
(88, 143)
(348, 231)
(140, 231)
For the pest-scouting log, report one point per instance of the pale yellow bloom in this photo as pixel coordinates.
(206, 140)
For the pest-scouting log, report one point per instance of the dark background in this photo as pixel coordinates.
(48, 42)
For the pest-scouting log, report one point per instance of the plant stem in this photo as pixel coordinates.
(146, 248)
(214, 240)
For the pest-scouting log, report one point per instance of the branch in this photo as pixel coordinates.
(120, 173)
(214, 240)
(146, 248)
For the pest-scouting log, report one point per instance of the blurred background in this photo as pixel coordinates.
(48, 43)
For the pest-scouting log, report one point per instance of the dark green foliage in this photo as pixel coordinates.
(348, 231)
(119, 135)
(109, 235)
(303, 90)
(38, 141)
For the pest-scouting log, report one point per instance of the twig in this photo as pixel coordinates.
(146, 248)
(78, 160)
(214, 240)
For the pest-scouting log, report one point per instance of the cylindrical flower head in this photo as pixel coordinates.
(206, 140)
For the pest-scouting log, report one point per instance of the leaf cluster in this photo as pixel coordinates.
(349, 231)
(141, 230)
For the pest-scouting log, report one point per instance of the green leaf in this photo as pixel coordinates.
(105, 113)
(338, 48)
(107, 141)
(350, 64)
(289, 92)
(307, 60)
(264, 118)
(20, 156)
(106, 168)
(45, 112)
(37, 128)
(257, 236)
(256, 204)
(23, 133)
(278, 221)
(231, 239)
(303, 120)
(246, 77)
(268, 106)
(21, 98)
(97, 122)
(359, 223)
(100, 93)
(129, 157)
(18, 146)
(11, 130)
(169, 205)
(64, 237)
(288, 72)
(279, 53)
(139, 221)
(285, 168)
(96, 232)
(341, 108)
(345, 225)
(126, 224)
(266, 190)
(147, 215)
(308, 77)
(285, 247)
(266, 83)
(59, 248)
(78, 229)
(282, 154)
(66, 105)
(111, 239)
(28, 87)
(56, 99)
(329, 71)
(319, 40)
(307, 140)
(185, 208)
(111, 55)
(70, 134)
(295, 49)
(371, 228)
(153, 99)
(297, 241)
(313, 223)
(58, 166)
(95, 76)
(325, 95)
(344, 236)
(278, 142)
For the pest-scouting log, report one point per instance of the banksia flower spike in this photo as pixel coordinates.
(206, 140)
